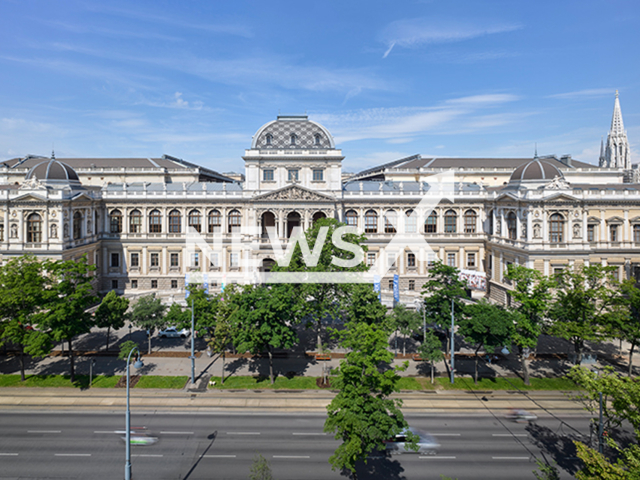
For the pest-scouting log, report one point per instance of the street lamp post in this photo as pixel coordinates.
(127, 465)
(452, 342)
(193, 355)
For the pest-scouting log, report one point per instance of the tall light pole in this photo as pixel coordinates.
(193, 355)
(452, 342)
(127, 465)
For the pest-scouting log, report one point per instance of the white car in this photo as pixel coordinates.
(173, 332)
(426, 443)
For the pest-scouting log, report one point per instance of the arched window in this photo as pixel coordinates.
(556, 228)
(77, 225)
(194, 220)
(390, 222)
(135, 222)
(431, 224)
(175, 221)
(317, 138)
(410, 222)
(512, 225)
(371, 222)
(269, 139)
(294, 139)
(115, 221)
(235, 221)
(470, 220)
(215, 222)
(34, 228)
(155, 222)
(450, 221)
(351, 218)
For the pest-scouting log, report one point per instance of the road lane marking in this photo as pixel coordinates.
(109, 431)
(436, 457)
(509, 435)
(510, 458)
(219, 456)
(72, 454)
(446, 434)
(177, 433)
(8, 454)
(291, 456)
(308, 434)
(44, 431)
(243, 433)
(143, 455)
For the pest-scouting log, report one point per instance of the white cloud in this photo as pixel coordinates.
(412, 33)
(587, 93)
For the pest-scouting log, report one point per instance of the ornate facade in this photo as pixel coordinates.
(136, 221)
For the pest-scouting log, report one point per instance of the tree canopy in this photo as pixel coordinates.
(148, 313)
(111, 313)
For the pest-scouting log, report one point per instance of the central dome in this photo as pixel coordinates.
(535, 171)
(53, 172)
(292, 132)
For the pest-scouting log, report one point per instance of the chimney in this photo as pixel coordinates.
(566, 159)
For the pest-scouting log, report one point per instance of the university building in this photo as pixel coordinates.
(134, 217)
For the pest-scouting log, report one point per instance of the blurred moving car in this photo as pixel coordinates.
(173, 332)
(519, 415)
(426, 443)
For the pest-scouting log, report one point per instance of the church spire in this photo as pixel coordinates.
(617, 151)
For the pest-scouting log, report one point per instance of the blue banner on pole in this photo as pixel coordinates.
(396, 288)
(186, 286)
(205, 283)
(376, 286)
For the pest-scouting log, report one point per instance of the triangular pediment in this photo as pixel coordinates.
(81, 196)
(29, 197)
(562, 197)
(294, 193)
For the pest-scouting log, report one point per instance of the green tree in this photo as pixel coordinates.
(69, 296)
(621, 401)
(226, 322)
(431, 350)
(547, 471)
(406, 322)
(627, 327)
(125, 349)
(487, 326)
(362, 415)
(443, 286)
(267, 315)
(148, 313)
(111, 313)
(260, 469)
(532, 294)
(22, 294)
(319, 301)
(586, 300)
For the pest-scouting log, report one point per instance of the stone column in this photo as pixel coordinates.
(144, 261)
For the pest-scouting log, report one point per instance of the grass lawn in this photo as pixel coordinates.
(82, 381)
(150, 381)
(466, 383)
(259, 383)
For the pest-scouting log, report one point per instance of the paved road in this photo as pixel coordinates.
(222, 446)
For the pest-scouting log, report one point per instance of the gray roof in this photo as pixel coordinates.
(390, 186)
(53, 171)
(173, 187)
(535, 170)
(277, 134)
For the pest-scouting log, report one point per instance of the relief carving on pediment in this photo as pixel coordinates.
(294, 193)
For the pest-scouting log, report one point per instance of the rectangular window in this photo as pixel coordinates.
(391, 260)
(411, 260)
(115, 259)
(267, 175)
(215, 263)
(154, 260)
(134, 283)
(558, 270)
(135, 260)
(114, 284)
(411, 223)
(195, 259)
(293, 175)
(591, 233)
(412, 285)
(318, 175)
(234, 260)
(431, 259)
(154, 283)
(175, 260)
(471, 259)
(174, 283)
(613, 229)
(636, 233)
(371, 259)
(451, 259)
(390, 284)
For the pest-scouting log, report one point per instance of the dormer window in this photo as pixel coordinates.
(294, 139)
(317, 139)
(269, 139)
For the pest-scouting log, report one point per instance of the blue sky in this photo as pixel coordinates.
(196, 79)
